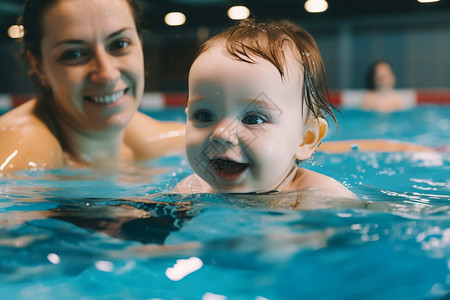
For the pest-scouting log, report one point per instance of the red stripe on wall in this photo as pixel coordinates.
(175, 99)
(433, 96)
(18, 99)
(335, 98)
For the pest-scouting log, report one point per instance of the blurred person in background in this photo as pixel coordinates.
(381, 95)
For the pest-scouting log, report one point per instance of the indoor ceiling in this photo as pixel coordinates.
(212, 13)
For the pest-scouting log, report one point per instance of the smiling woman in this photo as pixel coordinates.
(87, 64)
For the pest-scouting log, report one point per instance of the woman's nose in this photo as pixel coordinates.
(105, 70)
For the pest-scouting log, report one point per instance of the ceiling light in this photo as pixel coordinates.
(316, 6)
(427, 1)
(15, 31)
(238, 12)
(175, 19)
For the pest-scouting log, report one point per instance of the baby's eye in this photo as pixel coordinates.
(204, 116)
(74, 56)
(119, 45)
(253, 119)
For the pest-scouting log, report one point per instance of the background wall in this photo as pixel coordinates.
(417, 47)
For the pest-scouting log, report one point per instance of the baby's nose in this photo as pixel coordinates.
(226, 131)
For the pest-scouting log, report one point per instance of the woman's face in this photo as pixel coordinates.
(92, 61)
(384, 77)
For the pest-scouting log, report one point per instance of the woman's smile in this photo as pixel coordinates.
(108, 98)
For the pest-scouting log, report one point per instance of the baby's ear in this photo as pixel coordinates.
(314, 131)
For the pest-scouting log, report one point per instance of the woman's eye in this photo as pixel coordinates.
(119, 45)
(73, 56)
(253, 119)
(204, 116)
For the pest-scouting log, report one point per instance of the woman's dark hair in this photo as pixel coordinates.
(267, 40)
(31, 20)
(371, 73)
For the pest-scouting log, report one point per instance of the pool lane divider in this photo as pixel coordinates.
(339, 98)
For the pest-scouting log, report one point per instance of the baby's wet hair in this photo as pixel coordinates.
(268, 40)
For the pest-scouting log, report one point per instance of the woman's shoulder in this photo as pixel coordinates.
(149, 138)
(26, 141)
(386, 102)
(369, 100)
(151, 125)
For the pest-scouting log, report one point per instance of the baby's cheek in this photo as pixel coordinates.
(196, 141)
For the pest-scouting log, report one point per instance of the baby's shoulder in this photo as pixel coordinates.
(309, 179)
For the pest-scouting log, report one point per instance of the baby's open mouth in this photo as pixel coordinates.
(106, 99)
(228, 169)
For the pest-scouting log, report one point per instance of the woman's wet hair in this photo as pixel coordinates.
(268, 40)
(31, 20)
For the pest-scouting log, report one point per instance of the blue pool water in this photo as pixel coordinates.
(80, 234)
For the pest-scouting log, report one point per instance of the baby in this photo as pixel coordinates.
(256, 108)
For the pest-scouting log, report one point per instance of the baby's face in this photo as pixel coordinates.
(244, 122)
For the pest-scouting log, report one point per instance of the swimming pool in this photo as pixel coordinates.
(120, 236)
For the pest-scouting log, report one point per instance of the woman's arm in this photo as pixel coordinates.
(375, 145)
